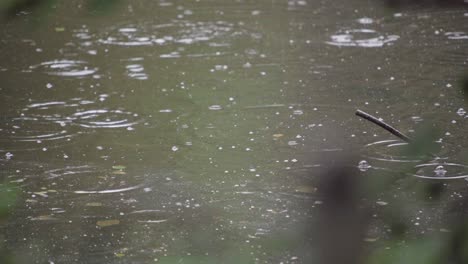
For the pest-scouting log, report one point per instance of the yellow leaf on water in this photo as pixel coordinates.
(105, 223)
(59, 29)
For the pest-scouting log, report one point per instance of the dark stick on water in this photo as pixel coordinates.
(383, 125)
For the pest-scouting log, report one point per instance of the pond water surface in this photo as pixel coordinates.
(194, 131)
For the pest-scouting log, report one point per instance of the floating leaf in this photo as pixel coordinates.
(59, 29)
(277, 135)
(105, 223)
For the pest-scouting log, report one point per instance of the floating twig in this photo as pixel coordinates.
(383, 125)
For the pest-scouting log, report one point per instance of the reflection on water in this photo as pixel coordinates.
(197, 131)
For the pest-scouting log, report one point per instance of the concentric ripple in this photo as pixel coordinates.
(365, 38)
(389, 151)
(432, 31)
(65, 68)
(70, 171)
(176, 31)
(88, 179)
(441, 171)
(78, 111)
(102, 118)
(32, 133)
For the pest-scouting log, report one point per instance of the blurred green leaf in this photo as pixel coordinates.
(423, 142)
(11, 8)
(101, 6)
(420, 251)
(464, 86)
(7, 199)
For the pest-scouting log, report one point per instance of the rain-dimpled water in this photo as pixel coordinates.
(171, 131)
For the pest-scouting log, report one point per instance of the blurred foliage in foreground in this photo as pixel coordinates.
(348, 214)
(12, 8)
(7, 199)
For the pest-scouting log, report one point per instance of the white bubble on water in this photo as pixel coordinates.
(298, 112)
(440, 171)
(365, 20)
(364, 165)
(461, 112)
(221, 67)
(215, 107)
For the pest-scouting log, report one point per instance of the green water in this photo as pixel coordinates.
(194, 131)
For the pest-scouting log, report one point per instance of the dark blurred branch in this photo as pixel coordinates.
(383, 125)
(343, 221)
